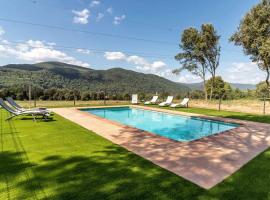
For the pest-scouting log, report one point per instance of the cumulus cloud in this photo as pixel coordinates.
(189, 78)
(141, 64)
(81, 17)
(137, 60)
(241, 72)
(2, 31)
(118, 19)
(84, 51)
(94, 3)
(109, 10)
(99, 17)
(115, 55)
(37, 51)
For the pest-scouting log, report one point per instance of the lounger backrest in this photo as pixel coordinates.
(6, 107)
(134, 98)
(13, 103)
(169, 99)
(154, 99)
(185, 101)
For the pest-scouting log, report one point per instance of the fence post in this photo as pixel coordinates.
(35, 99)
(219, 103)
(264, 105)
(74, 100)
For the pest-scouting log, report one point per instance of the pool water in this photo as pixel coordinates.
(176, 127)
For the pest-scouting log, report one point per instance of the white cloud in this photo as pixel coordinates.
(84, 51)
(118, 19)
(37, 51)
(137, 60)
(115, 55)
(189, 78)
(99, 16)
(94, 3)
(141, 64)
(243, 73)
(81, 17)
(2, 31)
(109, 10)
(158, 65)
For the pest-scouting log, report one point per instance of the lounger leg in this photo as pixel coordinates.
(9, 118)
(34, 117)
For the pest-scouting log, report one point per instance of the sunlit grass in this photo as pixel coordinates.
(61, 160)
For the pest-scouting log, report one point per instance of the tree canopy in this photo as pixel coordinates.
(221, 89)
(200, 52)
(253, 35)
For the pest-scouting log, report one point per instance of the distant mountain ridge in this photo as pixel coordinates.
(47, 75)
(61, 75)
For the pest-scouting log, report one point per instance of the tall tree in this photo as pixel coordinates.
(211, 51)
(191, 56)
(200, 53)
(253, 35)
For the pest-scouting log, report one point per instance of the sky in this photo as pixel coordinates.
(138, 35)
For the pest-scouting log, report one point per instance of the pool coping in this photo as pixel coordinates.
(206, 161)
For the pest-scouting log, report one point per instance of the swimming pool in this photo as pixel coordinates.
(176, 127)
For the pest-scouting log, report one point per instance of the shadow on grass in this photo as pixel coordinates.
(116, 174)
(12, 166)
(39, 119)
(110, 174)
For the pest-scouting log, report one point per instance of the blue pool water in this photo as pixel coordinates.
(176, 127)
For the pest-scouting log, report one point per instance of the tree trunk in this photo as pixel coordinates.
(212, 85)
(205, 89)
(211, 91)
(267, 79)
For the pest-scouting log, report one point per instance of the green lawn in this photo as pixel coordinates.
(61, 160)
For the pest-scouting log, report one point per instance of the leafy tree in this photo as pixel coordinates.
(200, 53)
(86, 96)
(211, 51)
(218, 90)
(196, 94)
(191, 56)
(228, 91)
(251, 93)
(262, 90)
(238, 94)
(254, 36)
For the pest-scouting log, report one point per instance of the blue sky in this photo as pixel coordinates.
(137, 35)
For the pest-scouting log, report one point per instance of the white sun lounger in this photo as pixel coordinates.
(14, 113)
(134, 99)
(184, 103)
(152, 101)
(19, 108)
(167, 102)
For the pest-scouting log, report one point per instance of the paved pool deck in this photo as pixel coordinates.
(205, 162)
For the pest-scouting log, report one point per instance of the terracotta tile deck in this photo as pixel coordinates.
(205, 162)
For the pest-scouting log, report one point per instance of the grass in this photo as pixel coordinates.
(223, 113)
(61, 160)
(254, 106)
(56, 104)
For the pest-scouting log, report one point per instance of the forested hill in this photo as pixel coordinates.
(48, 75)
(199, 86)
